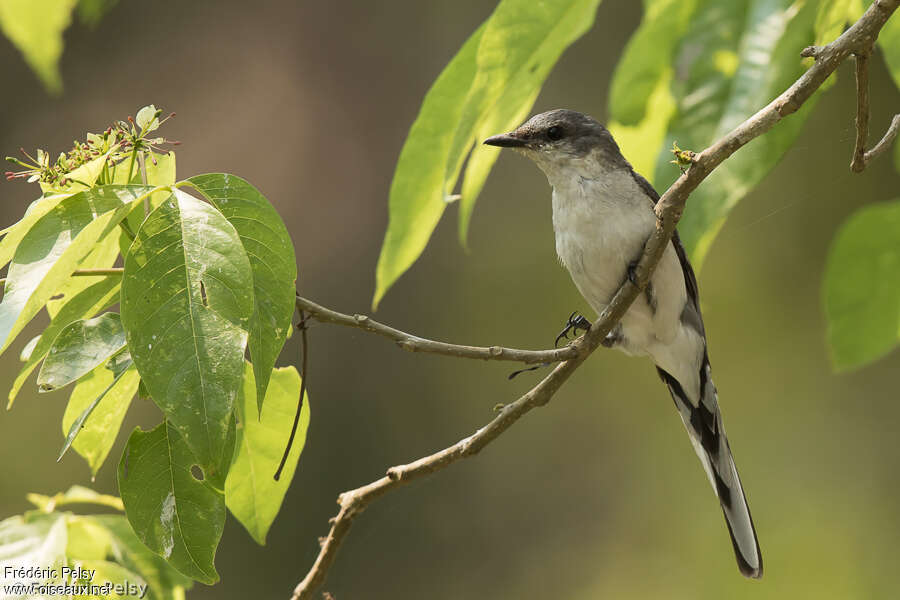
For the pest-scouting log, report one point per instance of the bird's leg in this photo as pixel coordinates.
(576, 323)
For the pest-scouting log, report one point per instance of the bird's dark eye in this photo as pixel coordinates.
(555, 133)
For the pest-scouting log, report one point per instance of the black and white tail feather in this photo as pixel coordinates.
(703, 421)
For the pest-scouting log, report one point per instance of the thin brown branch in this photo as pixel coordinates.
(98, 272)
(414, 343)
(861, 157)
(889, 136)
(859, 36)
(858, 164)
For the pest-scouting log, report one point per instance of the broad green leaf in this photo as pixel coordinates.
(79, 348)
(187, 303)
(54, 247)
(647, 60)
(174, 514)
(251, 493)
(36, 28)
(734, 59)
(95, 412)
(17, 231)
(271, 253)
(76, 494)
(160, 170)
(103, 256)
(165, 582)
(831, 18)
(88, 540)
(32, 540)
(516, 49)
(862, 287)
(122, 583)
(83, 305)
(522, 41)
(418, 191)
(80, 178)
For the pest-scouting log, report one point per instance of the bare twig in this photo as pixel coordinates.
(668, 210)
(861, 158)
(414, 343)
(858, 164)
(889, 136)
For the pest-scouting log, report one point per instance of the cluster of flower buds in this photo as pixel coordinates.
(120, 141)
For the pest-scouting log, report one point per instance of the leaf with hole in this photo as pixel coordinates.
(187, 304)
(79, 348)
(174, 514)
(272, 261)
(251, 493)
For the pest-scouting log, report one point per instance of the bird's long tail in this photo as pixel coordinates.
(704, 424)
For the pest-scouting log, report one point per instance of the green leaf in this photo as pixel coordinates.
(831, 18)
(733, 59)
(187, 303)
(36, 29)
(53, 248)
(83, 305)
(79, 348)
(251, 493)
(862, 287)
(174, 514)
(647, 59)
(491, 83)
(95, 412)
(33, 540)
(88, 540)
(17, 231)
(160, 170)
(165, 582)
(418, 195)
(76, 494)
(271, 253)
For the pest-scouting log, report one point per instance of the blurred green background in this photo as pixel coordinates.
(599, 494)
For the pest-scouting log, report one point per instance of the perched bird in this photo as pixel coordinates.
(602, 216)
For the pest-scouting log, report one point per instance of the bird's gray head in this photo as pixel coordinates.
(561, 140)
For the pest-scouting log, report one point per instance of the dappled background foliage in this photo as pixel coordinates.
(596, 494)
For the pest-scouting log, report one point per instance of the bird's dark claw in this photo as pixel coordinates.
(575, 323)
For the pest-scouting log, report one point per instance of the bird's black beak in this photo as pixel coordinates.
(506, 140)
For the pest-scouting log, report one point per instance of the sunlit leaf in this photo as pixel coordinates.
(76, 494)
(174, 514)
(53, 248)
(126, 549)
(733, 59)
(418, 195)
(17, 231)
(83, 305)
(33, 540)
(79, 348)
(271, 253)
(36, 28)
(862, 287)
(95, 412)
(187, 302)
(491, 83)
(251, 493)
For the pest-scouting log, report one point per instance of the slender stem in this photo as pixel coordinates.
(668, 210)
(889, 136)
(98, 272)
(414, 343)
(303, 363)
(858, 164)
